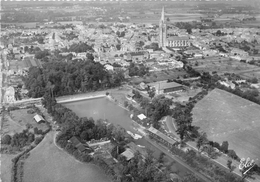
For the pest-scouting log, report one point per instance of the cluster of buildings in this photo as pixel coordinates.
(116, 45)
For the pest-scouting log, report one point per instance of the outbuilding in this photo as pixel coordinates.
(166, 87)
(38, 118)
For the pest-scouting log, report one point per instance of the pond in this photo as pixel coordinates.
(102, 108)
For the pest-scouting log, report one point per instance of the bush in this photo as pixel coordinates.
(7, 140)
(37, 131)
(216, 145)
(224, 147)
(31, 111)
(86, 158)
(12, 108)
(232, 154)
(38, 140)
(126, 103)
(30, 138)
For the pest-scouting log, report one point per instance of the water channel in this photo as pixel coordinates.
(102, 108)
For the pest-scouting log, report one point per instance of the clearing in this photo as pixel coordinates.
(49, 163)
(227, 117)
(21, 117)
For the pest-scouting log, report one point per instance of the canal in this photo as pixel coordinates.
(102, 108)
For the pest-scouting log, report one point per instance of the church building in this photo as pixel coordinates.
(170, 38)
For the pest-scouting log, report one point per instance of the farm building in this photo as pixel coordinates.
(161, 137)
(83, 148)
(166, 87)
(38, 118)
(131, 149)
(128, 154)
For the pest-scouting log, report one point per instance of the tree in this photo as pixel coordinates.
(90, 56)
(6, 139)
(26, 49)
(224, 147)
(254, 80)
(218, 33)
(126, 104)
(118, 46)
(189, 30)
(202, 140)
(160, 159)
(151, 92)
(130, 107)
(38, 140)
(229, 165)
(232, 154)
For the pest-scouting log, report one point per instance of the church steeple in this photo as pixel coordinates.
(162, 17)
(162, 30)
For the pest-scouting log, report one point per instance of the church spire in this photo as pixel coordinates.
(162, 17)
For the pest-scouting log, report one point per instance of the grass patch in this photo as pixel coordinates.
(227, 117)
(6, 165)
(48, 163)
(23, 118)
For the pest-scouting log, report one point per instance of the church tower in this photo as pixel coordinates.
(162, 30)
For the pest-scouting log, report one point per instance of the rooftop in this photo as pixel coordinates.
(161, 135)
(165, 85)
(177, 38)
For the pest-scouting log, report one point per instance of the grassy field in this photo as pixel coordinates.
(5, 167)
(227, 117)
(10, 126)
(220, 65)
(47, 163)
(22, 118)
(251, 74)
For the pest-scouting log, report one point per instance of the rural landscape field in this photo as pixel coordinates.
(227, 117)
(48, 163)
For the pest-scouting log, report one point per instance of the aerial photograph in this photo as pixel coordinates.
(130, 90)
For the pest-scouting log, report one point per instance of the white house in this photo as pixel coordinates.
(141, 116)
(109, 67)
(38, 118)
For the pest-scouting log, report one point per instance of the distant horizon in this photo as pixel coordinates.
(183, 1)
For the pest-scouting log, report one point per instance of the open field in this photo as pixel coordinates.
(220, 65)
(159, 76)
(251, 74)
(5, 167)
(21, 117)
(227, 117)
(48, 163)
(10, 126)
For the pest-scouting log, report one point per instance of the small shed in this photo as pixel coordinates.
(141, 116)
(38, 118)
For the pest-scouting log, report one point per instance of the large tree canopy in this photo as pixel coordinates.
(63, 78)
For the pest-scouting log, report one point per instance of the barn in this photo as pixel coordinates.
(166, 87)
(38, 118)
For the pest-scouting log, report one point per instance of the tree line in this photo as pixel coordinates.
(75, 76)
